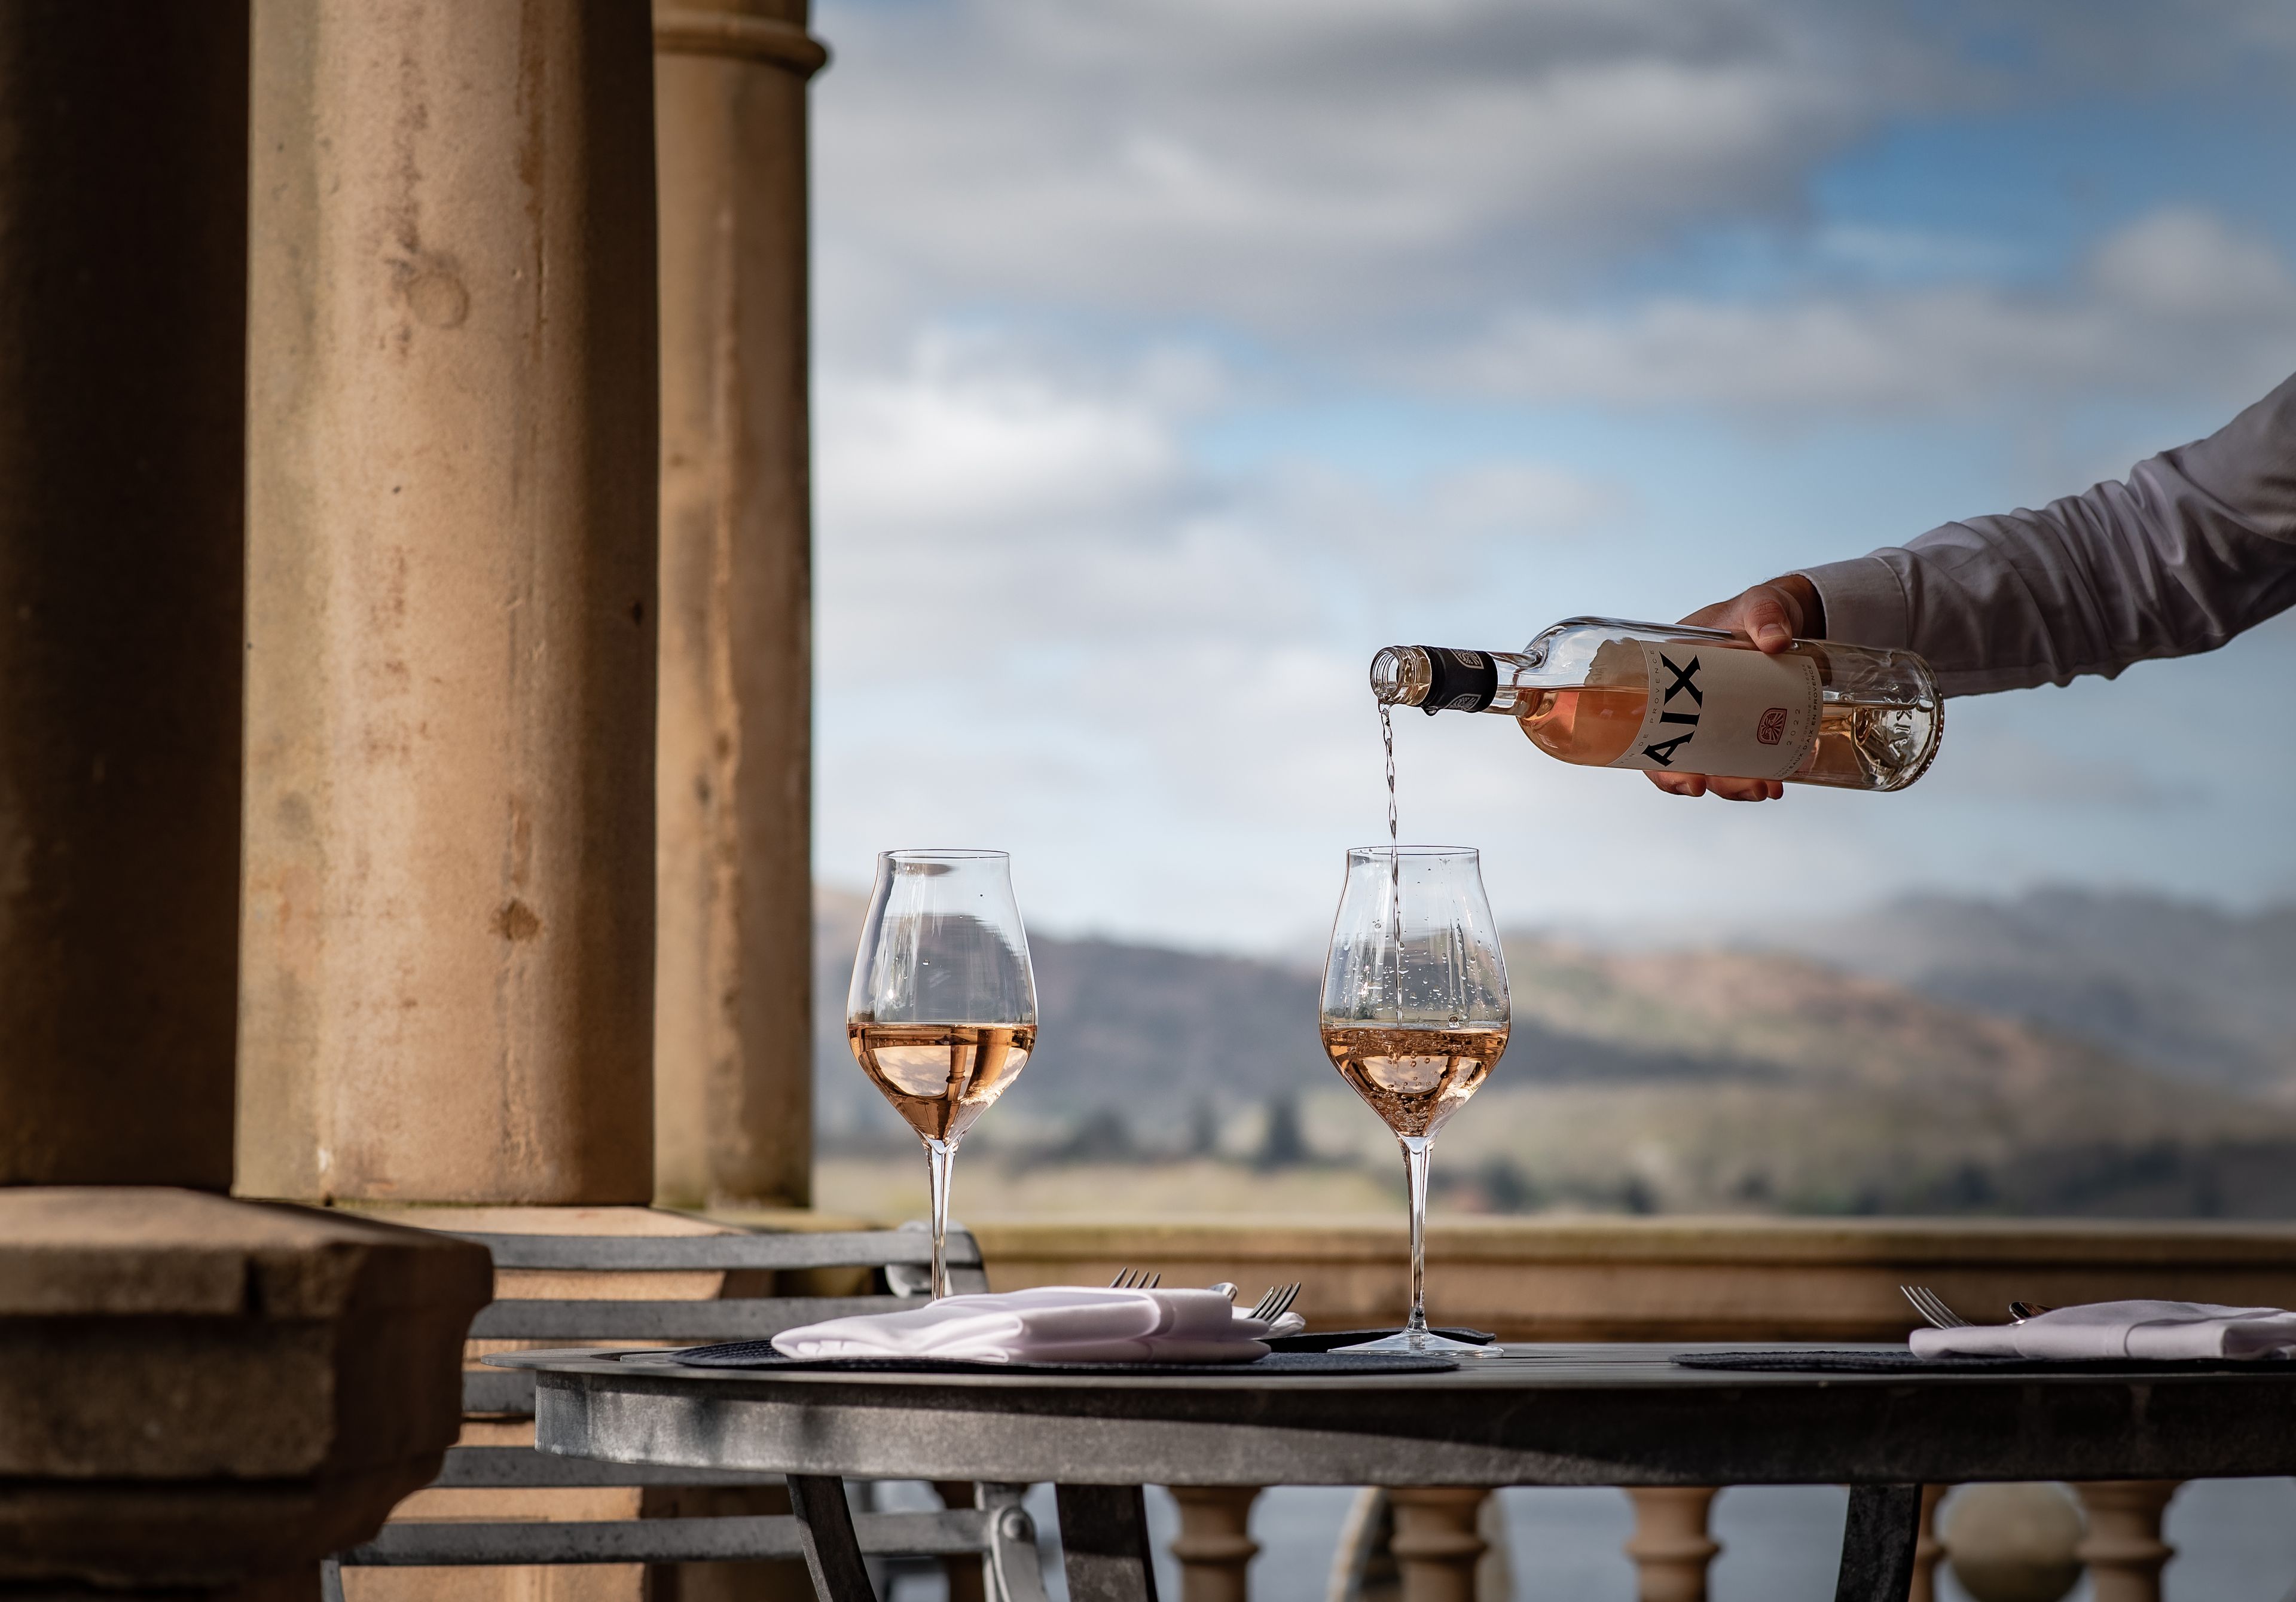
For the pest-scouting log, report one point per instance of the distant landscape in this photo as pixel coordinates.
(2066, 1052)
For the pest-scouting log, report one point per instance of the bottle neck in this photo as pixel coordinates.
(1436, 678)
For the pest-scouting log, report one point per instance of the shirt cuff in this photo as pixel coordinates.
(1864, 602)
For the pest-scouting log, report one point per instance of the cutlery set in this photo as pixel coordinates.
(1939, 1316)
(1271, 1307)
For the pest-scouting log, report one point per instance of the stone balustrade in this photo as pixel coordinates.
(1668, 1280)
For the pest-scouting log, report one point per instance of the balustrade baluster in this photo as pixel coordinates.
(1436, 1542)
(1670, 1547)
(2123, 1548)
(1215, 1546)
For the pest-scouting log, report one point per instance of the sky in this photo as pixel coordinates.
(1173, 355)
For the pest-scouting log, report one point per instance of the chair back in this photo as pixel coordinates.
(901, 1259)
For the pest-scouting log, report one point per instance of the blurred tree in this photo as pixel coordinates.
(1204, 1129)
(1103, 1136)
(1285, 1145)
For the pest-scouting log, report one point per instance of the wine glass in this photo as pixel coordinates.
(942, 1012)
(1414, 1015)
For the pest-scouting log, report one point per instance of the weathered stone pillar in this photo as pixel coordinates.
(1215, 1546)
(1670, 1547)
(733, 1026)
(200, 1397)
(448, 932)
(123, 249)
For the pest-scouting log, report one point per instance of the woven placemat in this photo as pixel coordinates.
(1815, 1359)
(760, 1354)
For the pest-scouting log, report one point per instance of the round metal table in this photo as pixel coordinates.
(1540, 1415)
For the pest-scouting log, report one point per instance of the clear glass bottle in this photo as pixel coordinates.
(1605, 692)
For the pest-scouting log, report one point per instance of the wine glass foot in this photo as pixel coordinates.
(1427, 1344)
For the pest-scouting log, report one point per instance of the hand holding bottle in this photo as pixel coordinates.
(1694, 702)
(1773, 616)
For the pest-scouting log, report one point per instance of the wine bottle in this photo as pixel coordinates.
(1672, 698)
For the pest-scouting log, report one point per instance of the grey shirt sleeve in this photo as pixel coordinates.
(2197, 545)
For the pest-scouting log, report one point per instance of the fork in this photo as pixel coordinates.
(1275, 1303)
(1272, 1306)
(1932, 1308)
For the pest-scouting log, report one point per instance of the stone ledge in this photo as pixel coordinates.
(129, 1251)
(196, 1391)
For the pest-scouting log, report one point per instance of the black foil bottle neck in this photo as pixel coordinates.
(1459, 681)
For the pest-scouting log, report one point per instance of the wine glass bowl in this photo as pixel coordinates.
(941, 1015)
(1414, 1015)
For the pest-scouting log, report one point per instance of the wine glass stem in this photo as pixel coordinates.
(940, 1157)
(1416, 1151)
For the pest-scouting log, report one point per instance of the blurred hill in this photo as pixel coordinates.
(2197, 992)
(1707, 1080)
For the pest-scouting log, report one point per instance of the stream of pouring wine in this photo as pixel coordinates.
(1394, 860)
(1387, 739)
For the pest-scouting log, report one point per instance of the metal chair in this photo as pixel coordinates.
(996, 1529)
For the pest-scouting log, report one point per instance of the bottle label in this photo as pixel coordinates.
(1727, 711)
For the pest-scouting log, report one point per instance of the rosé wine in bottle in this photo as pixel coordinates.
(1605, 692)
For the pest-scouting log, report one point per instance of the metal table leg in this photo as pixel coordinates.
(1012, 1558)
(1104, 1543)
(1877, 1543)
(832, 1553)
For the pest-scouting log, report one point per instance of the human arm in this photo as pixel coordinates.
(2196, 545)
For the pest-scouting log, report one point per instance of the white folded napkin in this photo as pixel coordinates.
(1052, 1323)
(2106, 1330)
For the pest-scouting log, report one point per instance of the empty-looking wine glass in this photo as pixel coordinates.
(942, 1013)
(1415, 1014)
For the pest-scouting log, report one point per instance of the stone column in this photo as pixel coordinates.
(123, 247)
(447, 933)
(1437, 1544)
(2123, 1548)
(1215, 1546)
(202, 1397)
(734, 1014)
(1670, 1547)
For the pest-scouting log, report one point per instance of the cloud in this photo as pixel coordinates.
(978, 477)
(1281, 166)
(1279, 163)
(2006, 766)
(2185, 266)
(2177, 301)
(967, 440)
